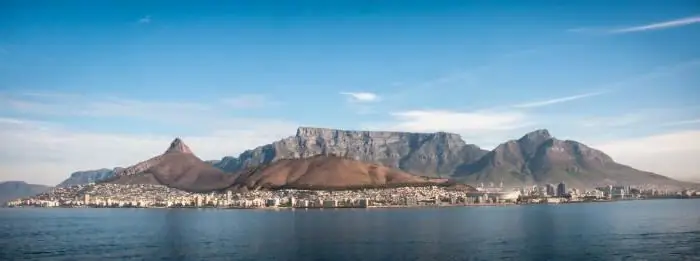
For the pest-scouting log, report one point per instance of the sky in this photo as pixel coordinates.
(101, 84)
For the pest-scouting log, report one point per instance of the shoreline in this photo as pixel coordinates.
(368, 207)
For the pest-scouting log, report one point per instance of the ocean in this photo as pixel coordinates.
(625, 230)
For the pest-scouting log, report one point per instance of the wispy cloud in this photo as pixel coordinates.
(659, 25)
(46, 153)
(558, 100)
(685, 122)
(361, 96)
(144, 20)
(455, 121)
(247, 101)
(679, 151)
(616, 121)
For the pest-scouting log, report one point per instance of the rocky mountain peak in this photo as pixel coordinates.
(178, 146)
(537, 135)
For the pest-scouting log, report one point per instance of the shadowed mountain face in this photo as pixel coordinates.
(538, 158)
(429, 154)
(176, 168)
(327, 172)
(11, 190)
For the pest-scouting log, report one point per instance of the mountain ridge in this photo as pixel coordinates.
(535, 158)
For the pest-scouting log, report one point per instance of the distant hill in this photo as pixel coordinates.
(178, 168)
(327, 172)
(88, 176)
(539, 158)
(10, 190)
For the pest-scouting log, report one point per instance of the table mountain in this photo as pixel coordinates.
(10, 190)
(327, 172)
(178, 168)
(539, 158)
(430, 154)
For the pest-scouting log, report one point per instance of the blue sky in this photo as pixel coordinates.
(90, 84)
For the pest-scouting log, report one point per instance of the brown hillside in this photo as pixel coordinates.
(327, 172)
(176, 168)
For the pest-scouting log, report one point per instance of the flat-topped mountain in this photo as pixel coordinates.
(178, 168)
(327, 172)
(429, 154)
(539, 158)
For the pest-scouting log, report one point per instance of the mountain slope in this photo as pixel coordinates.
(85, 177)
(326, 172)
(430, 154)
(178, 168)
(10, 190)
(539, 158)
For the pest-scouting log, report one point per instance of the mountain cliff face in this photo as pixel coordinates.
(539, 158)
(429, 154)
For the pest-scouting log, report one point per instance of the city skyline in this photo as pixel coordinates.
(108, 86)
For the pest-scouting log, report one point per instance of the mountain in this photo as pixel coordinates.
(88, 176)
(178, 168)
(539, 158)
(10, 190)
(326, 172)
(428, 154)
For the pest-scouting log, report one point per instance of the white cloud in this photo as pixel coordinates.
(361, 96)
(458, 122)
(45, 153)
(659, 25)
(558, 100)
(247, 101)
(145, 20)
(686, 122)
(673, 154)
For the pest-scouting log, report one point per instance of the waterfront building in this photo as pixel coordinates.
(551, 190)
(330, 203)
(561, 189)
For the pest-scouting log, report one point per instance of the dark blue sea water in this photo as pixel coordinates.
(631, 230)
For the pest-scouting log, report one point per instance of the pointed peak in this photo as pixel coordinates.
(540, 135)
(178, 146)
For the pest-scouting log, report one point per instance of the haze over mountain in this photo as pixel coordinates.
(10, 190)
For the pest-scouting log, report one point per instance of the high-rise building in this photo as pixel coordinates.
(228, 195)
(551, 190)
(86, 199)
(561, 189)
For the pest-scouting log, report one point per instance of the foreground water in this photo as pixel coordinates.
(631, 230)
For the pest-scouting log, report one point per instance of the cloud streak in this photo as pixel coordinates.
(685, 122)
(46, 152)
(558, 100)
(361, 96)
(145, 20)
(659, 26)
